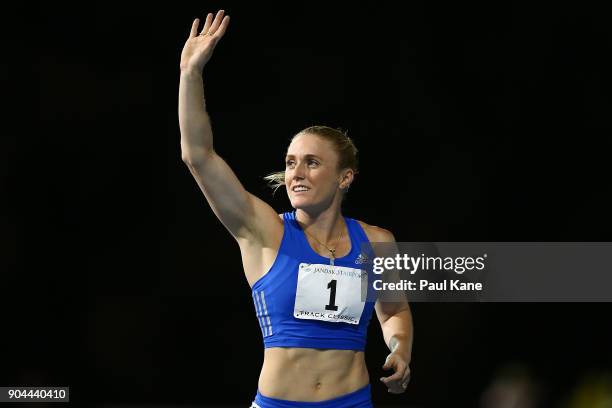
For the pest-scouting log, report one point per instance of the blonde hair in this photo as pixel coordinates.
(343, 145)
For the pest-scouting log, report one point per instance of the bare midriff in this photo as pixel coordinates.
(302, 374)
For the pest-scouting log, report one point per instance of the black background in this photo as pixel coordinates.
(474, 123)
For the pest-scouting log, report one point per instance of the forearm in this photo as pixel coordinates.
(398, 333)
(194, 122)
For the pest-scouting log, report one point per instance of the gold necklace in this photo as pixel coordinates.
(332, 251)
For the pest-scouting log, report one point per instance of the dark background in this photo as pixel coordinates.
(474, 123)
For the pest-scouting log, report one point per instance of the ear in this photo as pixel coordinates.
(346, 179)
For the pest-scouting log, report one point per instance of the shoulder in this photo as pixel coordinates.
(376, 234)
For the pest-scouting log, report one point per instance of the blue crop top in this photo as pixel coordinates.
(303, 301)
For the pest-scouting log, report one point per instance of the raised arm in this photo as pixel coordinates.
(243, 214)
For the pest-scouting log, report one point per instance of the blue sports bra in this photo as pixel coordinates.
(303, 301)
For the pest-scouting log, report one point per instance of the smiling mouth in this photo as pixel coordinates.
(300, 189)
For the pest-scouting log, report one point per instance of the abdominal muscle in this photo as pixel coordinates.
(310, 375)
(302, 374)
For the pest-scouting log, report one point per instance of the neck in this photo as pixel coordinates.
(325, 225)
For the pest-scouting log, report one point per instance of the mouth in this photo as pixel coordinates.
(300, 188)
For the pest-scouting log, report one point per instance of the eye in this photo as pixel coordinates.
(313, 163)
(289, 163)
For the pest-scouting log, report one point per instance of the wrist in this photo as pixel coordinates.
(400, 345)
(191, 72)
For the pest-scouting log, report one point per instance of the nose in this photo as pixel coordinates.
(298, 172)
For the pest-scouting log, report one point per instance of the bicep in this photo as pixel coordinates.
(389, 303)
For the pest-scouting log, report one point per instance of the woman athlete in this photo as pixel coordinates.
(302, 266)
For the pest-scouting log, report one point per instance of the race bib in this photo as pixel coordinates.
(329, 293)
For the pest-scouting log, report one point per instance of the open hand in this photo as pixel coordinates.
(199, 47)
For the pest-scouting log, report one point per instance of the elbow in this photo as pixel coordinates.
(188, 160)
(196, 157)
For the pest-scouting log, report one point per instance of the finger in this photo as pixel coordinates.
(398, 375)
(392, 378)
(388, 363)
(405, 382)
(406, 378)
(216, 22)
(207, 24)
(219, 33)
(194, 28)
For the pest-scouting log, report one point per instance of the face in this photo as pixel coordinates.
(312, 177)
